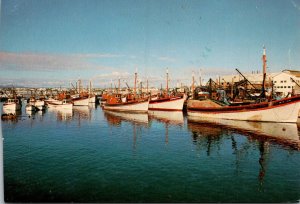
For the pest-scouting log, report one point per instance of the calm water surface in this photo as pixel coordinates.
(88, 155)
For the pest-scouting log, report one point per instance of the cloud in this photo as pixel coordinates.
(98, 55)
(166, 59)
(49, 62)
(33, 82)
(295, 5)
(113, 75)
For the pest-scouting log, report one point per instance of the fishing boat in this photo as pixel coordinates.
(38, 104)
(63, 105)
(270, 110)
(127, 103)
(12, 104)
(30, 107)
(284, 110)
(166, 102)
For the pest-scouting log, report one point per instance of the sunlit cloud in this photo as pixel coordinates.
(98, 55)
(33, 82)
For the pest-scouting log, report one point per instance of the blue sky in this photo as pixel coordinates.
(55, 42)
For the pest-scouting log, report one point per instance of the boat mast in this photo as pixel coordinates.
(193, 81)
(135, 78)
(167, 88)
(90, 88)
(147, 85)
(118, 85)
(200, 80)
(264, 59)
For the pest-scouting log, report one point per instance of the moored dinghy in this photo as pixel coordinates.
(12, 104)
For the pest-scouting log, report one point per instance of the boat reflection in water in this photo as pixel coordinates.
(281, 133)
(168, 117)
(137, 120)
(62, 114)
(11, 111)
(115, 118)
(10, 115)
(211, 133)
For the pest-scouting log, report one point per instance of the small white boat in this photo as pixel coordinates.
(39, 104)
(12, 104)
(64, 105)
(30, 107)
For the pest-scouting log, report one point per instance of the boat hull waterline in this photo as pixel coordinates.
(285, 110)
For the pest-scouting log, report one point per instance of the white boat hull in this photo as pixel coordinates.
(134, 107)
(92, 99)
(53, 101)
(169, 105)
(81, 102)
(287, 113)
(11, 106)
(40, 105)
(30, 107)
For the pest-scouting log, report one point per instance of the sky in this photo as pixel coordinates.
(51, 43)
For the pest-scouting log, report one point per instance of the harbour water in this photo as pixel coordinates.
(88, 155)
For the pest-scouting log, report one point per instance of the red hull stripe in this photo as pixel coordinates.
(164, 100)
(124, 104)
(165, 109)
